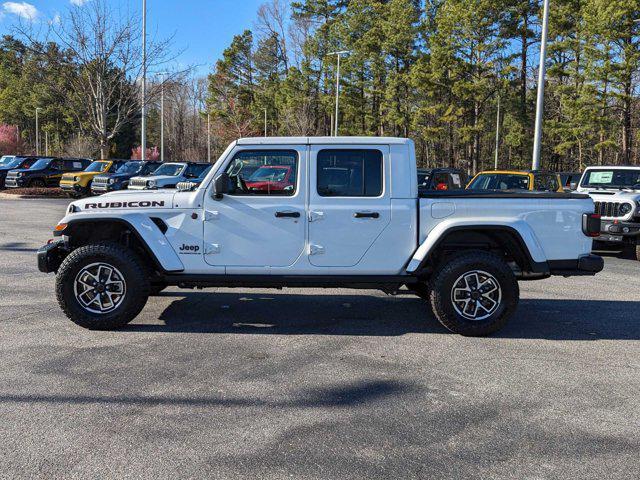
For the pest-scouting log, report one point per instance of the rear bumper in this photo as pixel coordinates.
(585, 265)
(50, 256)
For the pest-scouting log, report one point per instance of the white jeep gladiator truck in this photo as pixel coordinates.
(616, 193)
(350, 215)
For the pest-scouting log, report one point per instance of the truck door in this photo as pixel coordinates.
(262, 222)
(349, 202)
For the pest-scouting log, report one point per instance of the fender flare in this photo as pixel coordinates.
(146, 231)
(520, 229)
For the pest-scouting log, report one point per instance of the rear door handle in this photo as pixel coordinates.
(366, 215)
(287, 214)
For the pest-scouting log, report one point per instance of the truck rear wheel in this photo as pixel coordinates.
(102, 286)
(474, 294)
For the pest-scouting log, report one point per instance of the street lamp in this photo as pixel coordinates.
(537, 138)
(162, 75)
(37, 131)
(339, 54)
(208, 137)
(143, 142)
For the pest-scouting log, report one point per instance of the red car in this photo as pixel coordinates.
(272, 178)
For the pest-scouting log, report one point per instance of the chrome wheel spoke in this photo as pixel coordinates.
(476, 295)
(100, 288)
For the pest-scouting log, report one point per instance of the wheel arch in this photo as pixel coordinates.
(497, 238)
(141, 232)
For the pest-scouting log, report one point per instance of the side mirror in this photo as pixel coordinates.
(221, 185)
(573, 185)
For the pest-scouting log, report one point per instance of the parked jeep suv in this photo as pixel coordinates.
(119, 180)
(168, 175)
(78, 185)
(531, 180)
(616, 193)
(45, 172)
(12, 162)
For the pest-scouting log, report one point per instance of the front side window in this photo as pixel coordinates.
(264, 172)
(194, 171)
(349, 173)
(148, 168)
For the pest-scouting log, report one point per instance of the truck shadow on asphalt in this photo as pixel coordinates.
(308, 314)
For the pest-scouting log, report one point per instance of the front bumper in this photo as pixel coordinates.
(71, 187)
(585, 265)
(15, 182)
(618, 231)
(50, 256)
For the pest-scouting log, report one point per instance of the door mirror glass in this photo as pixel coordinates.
(221, 185)
(573, 185)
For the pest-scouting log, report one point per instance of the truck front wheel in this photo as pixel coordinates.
(102, 286)
(474, 294)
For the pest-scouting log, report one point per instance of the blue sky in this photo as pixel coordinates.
(203, 28)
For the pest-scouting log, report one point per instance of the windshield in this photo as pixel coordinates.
(130, 167)
(12, 162)
(6, 159)
(169, 169)
(611, 178)
(273, 174)
(97, 167)
(500, 181)
(42, 163)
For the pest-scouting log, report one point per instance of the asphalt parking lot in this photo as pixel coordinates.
(306, 383)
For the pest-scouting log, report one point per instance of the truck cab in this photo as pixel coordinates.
(347, 213)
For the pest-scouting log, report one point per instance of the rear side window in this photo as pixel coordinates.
(545, 183)
(349, 173)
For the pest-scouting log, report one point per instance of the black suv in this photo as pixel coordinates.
(11, 162)
(120, 179)
(45, 172)
(441, 179)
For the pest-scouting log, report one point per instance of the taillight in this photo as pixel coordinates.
(591, 224)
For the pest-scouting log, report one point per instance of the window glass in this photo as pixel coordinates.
(500, 181)
(169, 169)
(349, 173)
(441, 181)
(616, 178)
(545, 183)
(264, 172)
(194, 171)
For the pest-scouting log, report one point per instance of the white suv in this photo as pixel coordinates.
(616, 193)
(168, 175)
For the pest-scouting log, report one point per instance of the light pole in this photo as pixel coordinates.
(265, 122)
(143, 142)
(208, 137)
(339, 54)
(162, 74)
(537, 138)
(495, 160)
(38, 131)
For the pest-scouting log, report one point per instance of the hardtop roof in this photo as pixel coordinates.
(323, 141)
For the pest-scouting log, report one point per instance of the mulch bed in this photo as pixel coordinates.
(35, 192)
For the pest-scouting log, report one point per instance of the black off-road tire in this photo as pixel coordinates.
(37, 183)
(132, 270)
(442, 286)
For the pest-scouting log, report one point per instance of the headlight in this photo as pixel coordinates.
(76, 179)
(19, 174)
(112, 181)
(625, 208)
(151, 183)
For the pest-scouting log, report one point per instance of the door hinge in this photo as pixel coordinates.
(316, 249)
(212, 249)
(208, 215)
(315, 216)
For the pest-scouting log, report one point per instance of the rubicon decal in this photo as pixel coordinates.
(143, 204)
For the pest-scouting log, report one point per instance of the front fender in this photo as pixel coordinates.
(140, 225)
(440, 231)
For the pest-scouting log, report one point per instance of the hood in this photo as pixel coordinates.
(123, 200)
(611, 195)
(117, 176)
(71, 175)
(22, 170)
(158, 177)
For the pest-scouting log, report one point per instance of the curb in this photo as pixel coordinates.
(8, 196)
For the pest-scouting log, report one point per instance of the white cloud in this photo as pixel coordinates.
(55, 20)
(21, 9)
(78, 3)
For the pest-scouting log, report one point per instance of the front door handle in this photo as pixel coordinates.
(366, 215)
(287, 214)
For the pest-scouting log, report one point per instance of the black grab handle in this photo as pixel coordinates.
(287, 214)
(366, 215)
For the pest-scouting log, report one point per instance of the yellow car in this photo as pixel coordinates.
(532, 180)
(78, 184)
